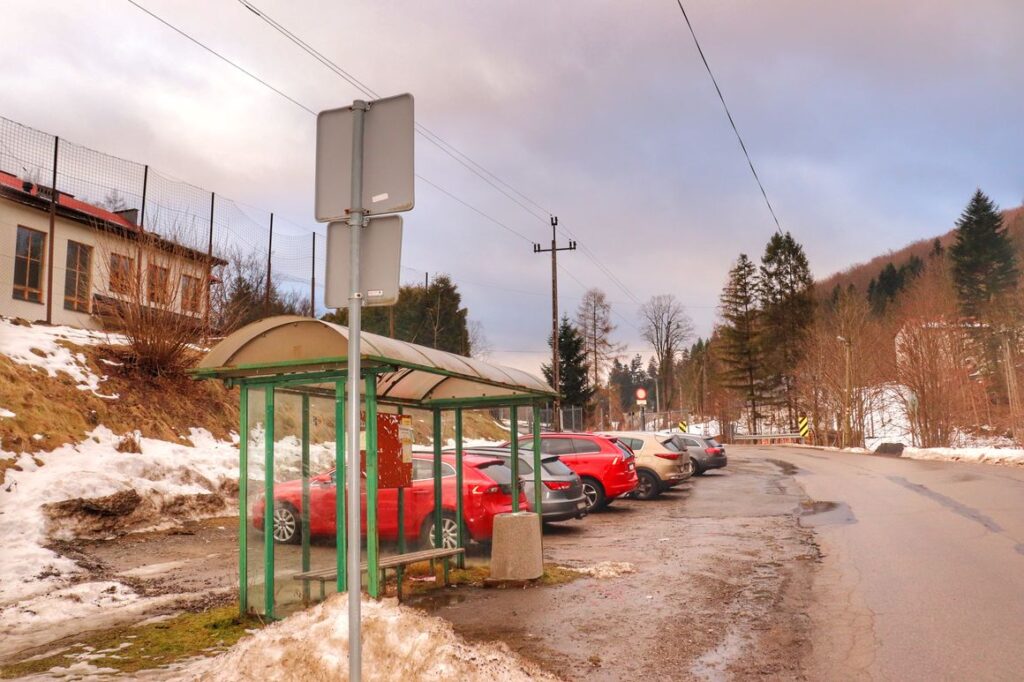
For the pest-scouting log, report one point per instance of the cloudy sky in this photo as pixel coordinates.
(870, 122)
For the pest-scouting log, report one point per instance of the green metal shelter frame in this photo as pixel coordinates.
(307, 357)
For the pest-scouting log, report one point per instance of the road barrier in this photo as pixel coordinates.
(770, 438)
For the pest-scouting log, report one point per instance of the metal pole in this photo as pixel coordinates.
(438, 537)
(209, 267)
(142, 208)
(53, 220)
(312, 282)
(268, 506)
(339, 487)
(305, 495)
(513, 429)
(538, 492)
(270, 251)
(458, 484)
(555, 369)
(243, 499)
(355, 303)
(372, 544)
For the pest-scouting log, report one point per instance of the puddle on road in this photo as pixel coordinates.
(788, 468)
(821, 513)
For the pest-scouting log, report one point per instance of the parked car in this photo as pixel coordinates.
(706, 453)
(606, 467)
(562, 497)
(661, 461)
(486, 491)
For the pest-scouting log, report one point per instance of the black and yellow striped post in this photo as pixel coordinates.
(683, 426)
(805, 430)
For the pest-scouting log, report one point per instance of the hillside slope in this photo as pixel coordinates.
(862, 273)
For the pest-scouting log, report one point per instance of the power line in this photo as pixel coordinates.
(448, 148)
(218, 55)
(729, 115)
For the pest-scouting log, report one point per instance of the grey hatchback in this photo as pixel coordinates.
(706, 453)
(562, 497)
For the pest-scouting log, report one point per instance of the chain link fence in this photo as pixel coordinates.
(171, 208)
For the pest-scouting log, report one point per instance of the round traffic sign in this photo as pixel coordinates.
(641, 394)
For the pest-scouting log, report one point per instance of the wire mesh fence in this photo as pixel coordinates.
(171, 208)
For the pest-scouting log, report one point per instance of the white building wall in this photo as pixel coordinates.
(103, 243)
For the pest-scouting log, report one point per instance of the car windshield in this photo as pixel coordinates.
(713, 443)
(679, 443)
(622, 448)
(555, 467)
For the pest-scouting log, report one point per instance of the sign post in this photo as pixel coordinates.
(641, 400)
(364, 165)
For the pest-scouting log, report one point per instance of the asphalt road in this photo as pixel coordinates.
(922, 575)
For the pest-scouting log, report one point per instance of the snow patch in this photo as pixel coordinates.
(605, 569)
(979, 455)
(6, 414)
(37, 346)
(399, 643)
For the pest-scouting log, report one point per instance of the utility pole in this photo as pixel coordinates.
(555, 378)
(848, 397)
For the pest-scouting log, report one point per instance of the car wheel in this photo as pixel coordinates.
(697, 471)
(286, 524)
(449, 532)
(594, 494)
(648, 487)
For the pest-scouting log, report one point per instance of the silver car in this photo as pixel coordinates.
(562, 497)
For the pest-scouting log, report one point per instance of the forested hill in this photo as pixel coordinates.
(861, 275)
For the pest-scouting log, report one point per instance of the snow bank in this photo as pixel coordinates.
(37, 346)
(980, 455)
(94, 468)
(399, 643)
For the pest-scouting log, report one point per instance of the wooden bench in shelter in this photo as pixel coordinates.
(396, 562)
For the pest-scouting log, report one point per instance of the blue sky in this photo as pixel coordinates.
(870, 123)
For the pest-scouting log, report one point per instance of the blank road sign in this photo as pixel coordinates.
(387, 159)
(380, 262)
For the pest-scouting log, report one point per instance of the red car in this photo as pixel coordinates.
(606, 467)
(486, 492)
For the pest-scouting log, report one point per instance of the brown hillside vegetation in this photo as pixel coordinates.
(52, 411)
(861, 274)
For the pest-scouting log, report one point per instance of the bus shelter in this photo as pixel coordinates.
(291, 373)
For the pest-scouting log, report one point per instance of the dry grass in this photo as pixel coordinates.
(53, 411)
(472, 575)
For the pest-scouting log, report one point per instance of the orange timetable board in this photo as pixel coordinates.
(394, 450)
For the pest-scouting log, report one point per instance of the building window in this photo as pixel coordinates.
(157, 282)
(122, 274)
(190, 294)
(28, 265)
(78, 277)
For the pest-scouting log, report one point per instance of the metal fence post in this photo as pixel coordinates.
(53, 220)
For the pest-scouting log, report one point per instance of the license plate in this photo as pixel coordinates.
(581, 505)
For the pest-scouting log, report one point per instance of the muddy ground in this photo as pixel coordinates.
(723, 574)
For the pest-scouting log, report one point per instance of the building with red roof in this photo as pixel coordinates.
(68, 261)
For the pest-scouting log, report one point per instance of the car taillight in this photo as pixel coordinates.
(558, 485)
(485, 490)
(712, 451)
(667, 455)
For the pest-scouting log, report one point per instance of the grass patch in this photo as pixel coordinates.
(130, 649)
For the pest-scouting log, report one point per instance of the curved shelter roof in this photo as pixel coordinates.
(290, 347)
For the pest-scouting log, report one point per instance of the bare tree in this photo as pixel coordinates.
(594, 320)
(479, 345)
(665, 325)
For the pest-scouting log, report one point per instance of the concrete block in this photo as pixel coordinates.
(516, 549)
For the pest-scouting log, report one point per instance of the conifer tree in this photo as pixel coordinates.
(984, 262)
(786, 294)
(739, 347)
(574, 373)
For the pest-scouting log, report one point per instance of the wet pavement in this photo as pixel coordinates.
(791, 563)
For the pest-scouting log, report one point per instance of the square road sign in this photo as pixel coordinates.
(380, 262)
(388, 132)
